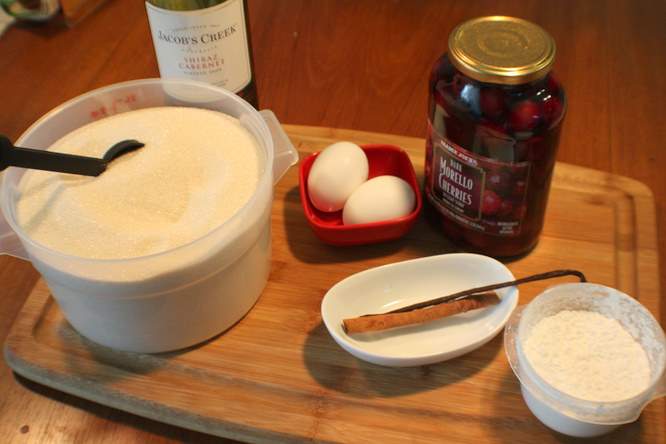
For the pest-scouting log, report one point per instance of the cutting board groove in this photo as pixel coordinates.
(277, 376)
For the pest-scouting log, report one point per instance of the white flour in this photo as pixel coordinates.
(588, 355)
(197, 168)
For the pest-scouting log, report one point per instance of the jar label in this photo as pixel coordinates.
(208, 45)
(481, 193)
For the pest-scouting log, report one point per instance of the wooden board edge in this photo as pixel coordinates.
(137, 406)
(621, 183)
(23, 326)
(21, 337)
(336, 134)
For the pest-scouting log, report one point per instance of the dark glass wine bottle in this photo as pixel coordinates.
(205, 40)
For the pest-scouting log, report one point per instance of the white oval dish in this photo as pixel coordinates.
(396, 285)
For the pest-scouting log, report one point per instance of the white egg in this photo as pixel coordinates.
(335, 174)
(380, 198)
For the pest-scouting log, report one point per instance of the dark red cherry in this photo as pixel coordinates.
(491, 203)
(518, 212)
(537, 149)
(525, 116)
(552, 109)
(506, 208)
(492, 102)
(519, 189)
(499, 182)
(492, 128)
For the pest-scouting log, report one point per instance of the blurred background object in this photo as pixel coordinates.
(43, 10)
(34, 10)
(5, 20)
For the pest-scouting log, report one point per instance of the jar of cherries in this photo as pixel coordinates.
(494, 118)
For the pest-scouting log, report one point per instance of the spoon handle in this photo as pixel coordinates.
(11, 155)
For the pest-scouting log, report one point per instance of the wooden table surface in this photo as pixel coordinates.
(347, 64)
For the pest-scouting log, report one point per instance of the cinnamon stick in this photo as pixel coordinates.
(444, 305)
(392, 320)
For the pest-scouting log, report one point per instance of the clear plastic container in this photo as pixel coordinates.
(558, 410)
(172, 299)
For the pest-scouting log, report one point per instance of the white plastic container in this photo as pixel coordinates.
(560, 411)
(172, 299)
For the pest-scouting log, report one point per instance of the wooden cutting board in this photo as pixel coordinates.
(277, 376)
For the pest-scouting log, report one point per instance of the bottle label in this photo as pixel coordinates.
(208, 45)
(478, 192)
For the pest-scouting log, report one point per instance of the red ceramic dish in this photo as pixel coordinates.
(383, 160)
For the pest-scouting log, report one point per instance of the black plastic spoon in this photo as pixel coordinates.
(11, 155)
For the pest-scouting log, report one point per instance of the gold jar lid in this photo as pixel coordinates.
(500, 49)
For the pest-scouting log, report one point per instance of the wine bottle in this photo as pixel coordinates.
(205, 40)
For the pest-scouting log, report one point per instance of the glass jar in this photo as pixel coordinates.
(494, 119)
